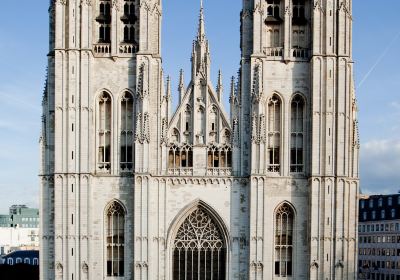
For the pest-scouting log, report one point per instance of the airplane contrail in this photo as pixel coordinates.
(380, 58)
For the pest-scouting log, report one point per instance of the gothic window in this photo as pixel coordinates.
(299, 37)
(273, 9)
(199, 250)
(297, 135)
(390, 201)
(104, 132)
(126, 140)
(129, 19)
(284, 221)
(274, 39)
(274, 133)
(219, 157)
(299, 10)
(213, 125)
(380, 202)
(187, 124)
(115, 239)
(104, 21)
(175, 136)
(180, 157)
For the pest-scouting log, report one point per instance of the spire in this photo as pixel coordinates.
(201, 31)
(232, 96)
(181, 87)
(220, 87)
(168, 96)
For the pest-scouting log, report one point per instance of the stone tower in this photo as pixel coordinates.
(132, 190)
(299, 141)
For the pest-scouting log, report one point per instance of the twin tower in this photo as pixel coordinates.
(131, 190)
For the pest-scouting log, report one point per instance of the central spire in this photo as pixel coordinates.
(201, 32)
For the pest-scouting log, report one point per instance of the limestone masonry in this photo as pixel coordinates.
(132, 190)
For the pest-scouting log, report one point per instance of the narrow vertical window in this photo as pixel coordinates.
(213, 127)
(115, 239)
(126, 155)
(297, 135)
(104, 133)
(104, 21)
(284, 220)
(129, 18)
(274, 134)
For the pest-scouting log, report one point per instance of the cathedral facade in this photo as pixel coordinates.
(132, 190)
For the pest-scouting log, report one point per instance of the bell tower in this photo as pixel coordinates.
(103, 90)
(299, 139)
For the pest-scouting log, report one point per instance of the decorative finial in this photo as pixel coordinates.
(220, 87)
(181, 87)
(201, 31)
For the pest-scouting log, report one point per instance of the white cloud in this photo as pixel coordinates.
(380, 166)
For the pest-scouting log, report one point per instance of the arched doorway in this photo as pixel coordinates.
(199, 248)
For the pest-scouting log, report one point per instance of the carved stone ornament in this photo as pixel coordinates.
(85, 267)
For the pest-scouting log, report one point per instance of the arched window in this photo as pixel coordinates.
(383, 214)
(274, 134)
(35, 261)
(213, 125)
(180, 157)
(299, 9)
(104, 132)
(18, 260)
(380, 202)
(129, 18)
(390, 201)
(199, 250)
(284, 221)
(104, 20)
(10, 261)
(27, 261)
(187, 124)
(115, 239)
(297, 135)
(393, 213)
(273, 8)
(126, 140)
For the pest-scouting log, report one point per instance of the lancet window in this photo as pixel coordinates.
(104, 21)
(104, 133)
(273, 9)
(284, 221)
(126, 139)
(129, 19)
(180, 157)
(115, 239)
(299, 10)
(274, 134)
(297, 135)
(199, 250)
(213, 125)
(219, 157)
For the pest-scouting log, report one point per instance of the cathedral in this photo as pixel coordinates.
(131, 189)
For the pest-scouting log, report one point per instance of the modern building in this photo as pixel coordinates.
(132, 190)
(19, 230)
(20, 216)
(379, 237)
(29, 257)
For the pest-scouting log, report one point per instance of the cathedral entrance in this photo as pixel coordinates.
(199, 250)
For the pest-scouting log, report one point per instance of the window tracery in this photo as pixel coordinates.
(104, 132)
(126, 139)
(219, 157)
(104, 21)
(180, 157)
(129, 19)
(199, 249)
(274, 133)
(284, 221)
(297, 135)
(115, 239)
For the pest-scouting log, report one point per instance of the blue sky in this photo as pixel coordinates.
(24, 45)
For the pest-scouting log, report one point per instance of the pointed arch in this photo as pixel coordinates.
(104, 114)
(199, 243)
(274, 111)
(115, 225)
(297, 133)
(284, 220)
(127, 123)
